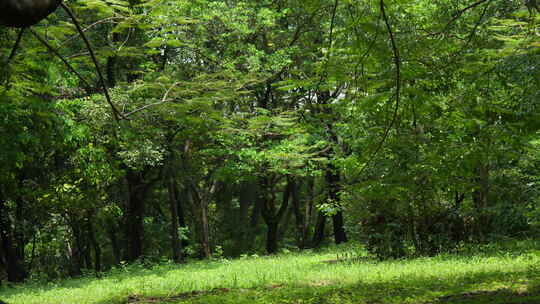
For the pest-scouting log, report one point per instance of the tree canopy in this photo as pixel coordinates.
(235, 127)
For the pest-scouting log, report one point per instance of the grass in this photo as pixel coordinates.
(495, 274)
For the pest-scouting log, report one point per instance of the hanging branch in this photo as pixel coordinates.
(461, 12)
(116, 113)
(89, 27)
(55, 52)
(163, 100)
(397, 63)
(11, 56)
(456, 16)
(16, 46)
(330, 45)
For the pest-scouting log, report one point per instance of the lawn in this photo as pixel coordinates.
(502, 273)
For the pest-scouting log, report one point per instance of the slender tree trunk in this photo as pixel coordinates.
(12, 255)
(480, 199)
(205, 231)
(270, 214)
(243, 234)
(256, 214)
(135, 227)
(299, 217)
(75, 250)
(339, 231)
(16, 271)
(173, 206)
(285, 223)
(181, 213)
(111, 64)
(318, 235)
(115, 244)
(201, 201)
(254, 227)
(95, 244)
(272, 237)
(333, 184)
(138, 190)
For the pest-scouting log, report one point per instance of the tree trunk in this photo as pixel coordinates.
(95, 244)
(201, 201)
(298, 217)
(181, 213)
(75, 249)
(115, 244)
(272, 237)
(480, 199)
(308, 212)
(285, 223)
(271, 216)
(12, 254)
(334, 187)
(339, 231)
(173, 207)
(243, 235)
(135, 228)
(15, 268)
(138, 189)
(205, 237)
(318, 236)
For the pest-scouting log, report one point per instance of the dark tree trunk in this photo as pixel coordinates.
(318, 235)
(200, 204)
(15, 268)
(244, 232)
(256, 214)
(339, 231)
(334, 187)
(111, 64)
(94, 243)
(308, 212)
(173, 206)
(300, 218)
(481, 201)
(115, 244)
(135, 228)
(75, 250)
(138, 189)
(271, 215)
(181, 213)
(285, 223)
(111, 67)
(253, 227)
(205, 237)
(272, 237)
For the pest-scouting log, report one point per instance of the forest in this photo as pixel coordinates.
(174, 133)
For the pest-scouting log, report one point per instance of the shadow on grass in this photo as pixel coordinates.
(500, 296)
(135, 271)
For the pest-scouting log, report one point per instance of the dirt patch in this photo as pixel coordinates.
(135, 299)
(496, 296)
(352, 260)
(139, 299)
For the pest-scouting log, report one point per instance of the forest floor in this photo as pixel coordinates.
(501, 273)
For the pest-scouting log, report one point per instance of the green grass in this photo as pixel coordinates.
(499, 274)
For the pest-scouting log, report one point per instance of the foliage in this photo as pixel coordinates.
(413, 126)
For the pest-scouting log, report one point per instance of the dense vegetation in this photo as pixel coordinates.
(409, 126)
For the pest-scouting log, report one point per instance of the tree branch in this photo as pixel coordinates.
(116, 113)
(397, 63)
(458, 15)
(55, 52)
